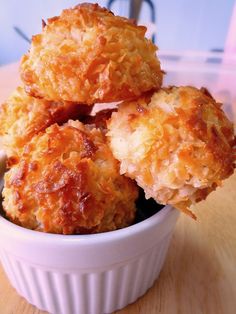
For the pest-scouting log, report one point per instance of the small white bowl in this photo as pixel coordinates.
(86, 274)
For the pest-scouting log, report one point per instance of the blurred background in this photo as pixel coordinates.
(183, 25)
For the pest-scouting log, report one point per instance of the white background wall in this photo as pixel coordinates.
(181, 24)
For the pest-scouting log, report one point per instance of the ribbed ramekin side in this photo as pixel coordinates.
(74, 291)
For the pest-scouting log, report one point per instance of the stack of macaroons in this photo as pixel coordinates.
(82, 176)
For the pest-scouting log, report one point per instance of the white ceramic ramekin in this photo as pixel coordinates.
(86, 274)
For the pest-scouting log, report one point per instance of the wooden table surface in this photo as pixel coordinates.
(199, 275)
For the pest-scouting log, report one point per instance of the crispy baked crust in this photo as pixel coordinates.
(89, 55)
(23, 116)
(68, 182)
(178, 144)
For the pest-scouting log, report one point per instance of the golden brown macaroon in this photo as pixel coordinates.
(68, 182)
(177, 144)
(23, 116)
(88, 55)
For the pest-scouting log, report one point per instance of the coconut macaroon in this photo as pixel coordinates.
(68, 182)
(23, 116)
(177, 144)
(88, 55)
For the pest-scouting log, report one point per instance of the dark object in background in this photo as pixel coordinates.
(135, 7)
(216, 59)
(21, 34)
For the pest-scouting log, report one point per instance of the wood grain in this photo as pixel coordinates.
(199, 275)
